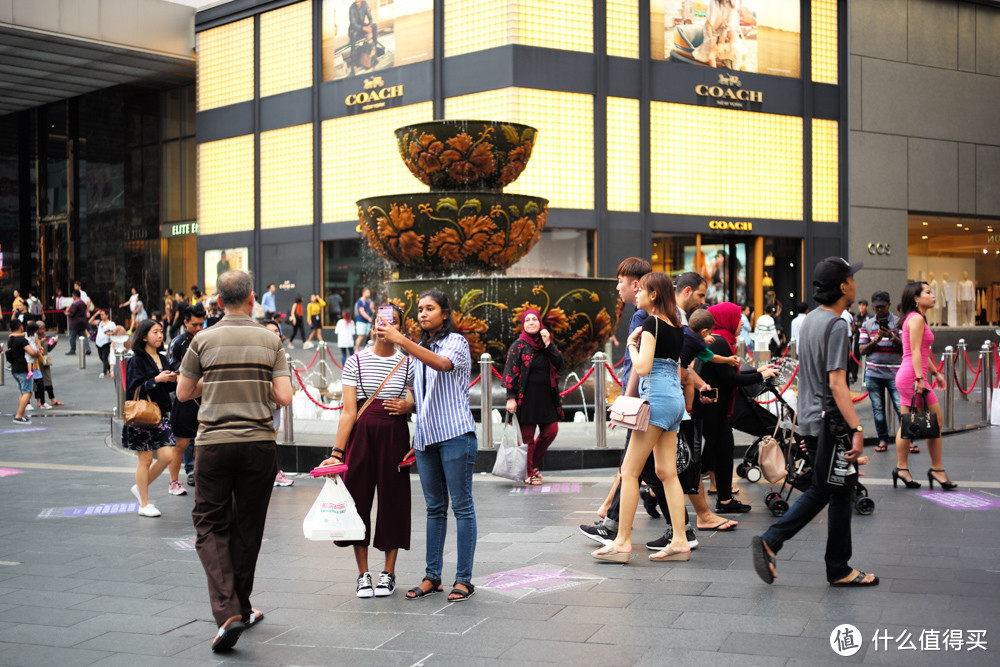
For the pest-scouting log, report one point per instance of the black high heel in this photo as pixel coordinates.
(910, 483)
(947, 484)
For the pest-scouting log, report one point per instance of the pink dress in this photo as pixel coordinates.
(905, 377)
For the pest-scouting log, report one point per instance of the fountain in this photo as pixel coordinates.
(462, 235)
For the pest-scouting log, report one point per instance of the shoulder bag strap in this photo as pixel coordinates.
(372, 397)
(826, 383)
(656, 334)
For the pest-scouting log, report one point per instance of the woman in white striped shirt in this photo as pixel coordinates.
(444, 439)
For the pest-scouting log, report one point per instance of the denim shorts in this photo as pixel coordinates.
(665, 396)
(23, 383)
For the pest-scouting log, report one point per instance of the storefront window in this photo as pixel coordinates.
(721, 261)
(960, 258)
(347, 270)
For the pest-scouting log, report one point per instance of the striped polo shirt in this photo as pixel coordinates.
(443, 398)
(883, 361)
(237, 359)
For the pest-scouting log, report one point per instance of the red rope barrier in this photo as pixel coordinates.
(473, 383)
(972, 385)
(860, 398)
(496, 373)
(313, 360)
(335, 363)
(620, 361)
(784, 389)
(306, 392)
(969, 363)
(582, 380)
(854, 359)
(614, 377)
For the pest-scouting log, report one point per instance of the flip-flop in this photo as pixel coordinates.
(254, 618)
(914, 449)
(856, 581)
(228, 635)
(723, 527)
(613, 556)
(881, 447)
(670, 554)
(763, 560)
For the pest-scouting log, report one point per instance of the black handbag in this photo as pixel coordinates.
(919, 424)
(689, 445)
(832, 472)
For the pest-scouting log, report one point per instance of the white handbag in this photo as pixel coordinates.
(512, 454)
(333, 516)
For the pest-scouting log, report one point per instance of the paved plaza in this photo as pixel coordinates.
(85, 581)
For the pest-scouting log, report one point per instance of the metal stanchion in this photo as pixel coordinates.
(890, 416)
(600, 411)
(761, 357)
(949, 384)
(81, 351)
(962, 367)
(986, 377)
(286, 412)
(321, 349)
(741, 349)
(3, 367)
(119, 352)
(486, 401)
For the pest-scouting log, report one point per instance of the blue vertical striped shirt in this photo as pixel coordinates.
(443, 398)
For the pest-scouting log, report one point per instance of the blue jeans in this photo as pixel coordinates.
(876, 394)
(446, 467)
(805, 509)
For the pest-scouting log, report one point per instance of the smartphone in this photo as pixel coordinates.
(386, 314)
(712, 394)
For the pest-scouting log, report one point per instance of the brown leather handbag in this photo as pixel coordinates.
(142, 413)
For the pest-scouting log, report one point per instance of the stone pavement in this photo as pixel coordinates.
(84, 580)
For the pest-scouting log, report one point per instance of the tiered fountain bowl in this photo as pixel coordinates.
(462, 235)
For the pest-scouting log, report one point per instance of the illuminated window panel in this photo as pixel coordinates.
(623, 154)
(825, 171)
(360, 159)
(623, 28)
(286, 177)
(824, 41)
(286, 49)
(724, 162)
(562, 162)
(225, 185)
(476, 25)
(225, 65)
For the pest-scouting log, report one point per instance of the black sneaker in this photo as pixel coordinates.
(732, 507)
(599, 533)
(386, 585)
(365, 589)
(662, 542)
(649, 501)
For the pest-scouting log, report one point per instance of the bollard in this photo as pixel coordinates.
(986, 377)
(3, 367)
(600, 409)
(741, 349)
(962, 367)
(286, 412)
(890, 416)
(949, 387)
(120, 355)
(321, 349)
(486, 401)
(81, 351)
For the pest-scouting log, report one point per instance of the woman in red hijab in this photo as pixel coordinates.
(531, 377)
(717, 456)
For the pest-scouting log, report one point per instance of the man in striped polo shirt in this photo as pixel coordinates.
(878, 339)
(237, 367)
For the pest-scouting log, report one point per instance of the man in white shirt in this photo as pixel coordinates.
(802, 308)
(132, 303)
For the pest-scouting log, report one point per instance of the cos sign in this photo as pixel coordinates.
(879, 249)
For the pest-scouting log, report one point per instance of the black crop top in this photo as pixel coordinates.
(669, 340)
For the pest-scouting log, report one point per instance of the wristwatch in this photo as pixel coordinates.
(859, 428)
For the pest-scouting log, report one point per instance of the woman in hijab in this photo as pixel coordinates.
(718, 453)
(531, 377)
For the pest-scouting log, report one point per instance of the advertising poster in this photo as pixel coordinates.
(365, 36)
(713, 263)
(743, 35)
(220, 261)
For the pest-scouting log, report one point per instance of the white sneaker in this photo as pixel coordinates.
(135, 492)
(176, 488)
(45, 406)
(149, 511)
(307, 346)
(29, 407)
(102, 375)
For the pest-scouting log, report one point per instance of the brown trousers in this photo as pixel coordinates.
(233, 484)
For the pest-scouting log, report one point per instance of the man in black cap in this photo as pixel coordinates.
(878, 339)
(822, 364)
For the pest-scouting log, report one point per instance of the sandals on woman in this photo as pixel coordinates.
(914, 449)
(418, 592)
(881, 447)
(462, 596)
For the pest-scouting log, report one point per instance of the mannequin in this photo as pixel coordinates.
(966, 300)
(949, 307)
(934, 314)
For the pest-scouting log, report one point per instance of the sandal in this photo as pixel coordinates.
(228, 634)
(533, 481)
(418, 592)
(913, 449)
(856, 581)
(462, 595)
(762, 560)
(254, 618)
(881, 447)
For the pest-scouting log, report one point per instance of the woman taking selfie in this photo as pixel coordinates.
(531, 377)
(444, 439)
(376, 380)
(146, 374)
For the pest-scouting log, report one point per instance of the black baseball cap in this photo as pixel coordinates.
(832, 271)
(880, 298)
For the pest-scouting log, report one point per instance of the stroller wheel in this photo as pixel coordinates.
(778, 507)
(864, 505)
(753, 474)
(742, 468)
(769, 497)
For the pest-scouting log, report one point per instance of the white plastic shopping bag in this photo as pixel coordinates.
(333, 516)
(995, 408)
(512, 454)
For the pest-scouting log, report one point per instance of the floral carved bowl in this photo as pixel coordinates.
(580, 313)
(479, 231)
(466, 154)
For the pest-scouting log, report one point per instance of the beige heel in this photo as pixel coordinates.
(670, 554)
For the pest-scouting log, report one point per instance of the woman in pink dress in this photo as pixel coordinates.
(915, 380)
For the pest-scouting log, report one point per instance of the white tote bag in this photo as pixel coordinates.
(512, 454)
(333, 516)
(995, 408)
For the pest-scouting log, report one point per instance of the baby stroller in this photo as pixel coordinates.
(755, 419)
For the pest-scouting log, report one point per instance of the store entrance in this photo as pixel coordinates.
(723, 262)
